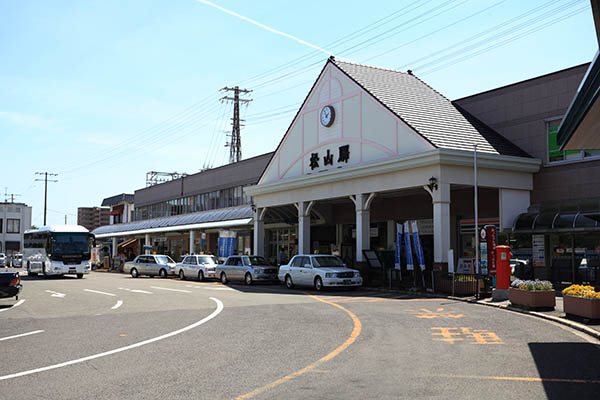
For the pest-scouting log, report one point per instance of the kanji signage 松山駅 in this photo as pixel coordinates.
(328, 158)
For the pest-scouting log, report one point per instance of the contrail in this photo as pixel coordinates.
(275, 31)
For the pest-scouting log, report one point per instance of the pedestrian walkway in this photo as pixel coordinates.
(557, 315)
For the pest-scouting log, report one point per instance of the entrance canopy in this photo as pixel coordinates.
(225, 217)
(553, 222)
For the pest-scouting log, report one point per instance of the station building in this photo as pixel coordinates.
(372, 147)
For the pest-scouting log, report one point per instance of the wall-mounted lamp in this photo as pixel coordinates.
(433, 183)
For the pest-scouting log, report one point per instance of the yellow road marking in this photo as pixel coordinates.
(311, 367)
(528, 379)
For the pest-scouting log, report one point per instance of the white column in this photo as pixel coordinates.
(259, 232)
(304, 226)
(147, 242)
(362, 204)
(192, 240)
(114, 247)
(441, 223)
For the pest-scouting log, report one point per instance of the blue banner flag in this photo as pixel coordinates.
(408, 247)
(398, 246)
(418, 248)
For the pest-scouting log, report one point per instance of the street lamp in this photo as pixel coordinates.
(433, 183)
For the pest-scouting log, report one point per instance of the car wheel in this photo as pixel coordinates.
(223, 278)
(79, 276)
(181, 275)
(200, 276)
(162, 273)
(134, 273)
(248, 278)
(288, 282)
(318, 284)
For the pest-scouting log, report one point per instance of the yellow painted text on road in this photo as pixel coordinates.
(472, 336)
(439, 313)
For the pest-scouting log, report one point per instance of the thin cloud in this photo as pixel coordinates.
(26, 120)
(263, 26)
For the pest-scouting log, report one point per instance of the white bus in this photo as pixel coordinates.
(58, 250)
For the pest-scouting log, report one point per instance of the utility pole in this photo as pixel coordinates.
(476, 203)
(46, 175)
(65, 219)
(235, 144)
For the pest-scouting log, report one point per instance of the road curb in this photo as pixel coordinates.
(563, 321)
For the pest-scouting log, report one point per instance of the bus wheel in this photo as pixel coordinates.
(79, 276)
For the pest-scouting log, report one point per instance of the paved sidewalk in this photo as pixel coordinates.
(557, 315)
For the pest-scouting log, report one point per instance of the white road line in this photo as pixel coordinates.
(99, 292)
(55, 294)
(18, 303)
(135, 290)
(120, 349)
(20, 335)
(119, 304)
(172, 290)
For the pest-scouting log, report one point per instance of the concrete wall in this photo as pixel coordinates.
(520, 113)
(245, 172)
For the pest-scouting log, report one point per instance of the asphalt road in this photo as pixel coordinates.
(109, 336)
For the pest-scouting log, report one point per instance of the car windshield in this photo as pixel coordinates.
(164, 259)
(208, 260)
(254, 260)
(70, 243)
(327, 261)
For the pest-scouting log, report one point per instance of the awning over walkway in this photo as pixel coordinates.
(224, 217)
(553, 222)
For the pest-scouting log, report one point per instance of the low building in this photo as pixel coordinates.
(204, 212)
(15, 219)
(121, 208)
(93, 217)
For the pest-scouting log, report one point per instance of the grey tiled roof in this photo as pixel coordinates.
(119, 198)
(427, 111)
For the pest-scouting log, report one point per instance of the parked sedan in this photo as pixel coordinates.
(10, 285)
(246, 268)
(17, 260)
(197, 266)
(151, 265)
(3, 260)
(319, 271)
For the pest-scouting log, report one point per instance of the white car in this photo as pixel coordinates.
(197, 266)
(319, 271)
(3, 260)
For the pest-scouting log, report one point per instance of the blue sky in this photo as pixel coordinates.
(101, 92)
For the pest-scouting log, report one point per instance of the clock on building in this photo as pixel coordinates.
(327, 116)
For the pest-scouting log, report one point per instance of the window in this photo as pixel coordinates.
(13, 226)
(556, 154)
(1, 225)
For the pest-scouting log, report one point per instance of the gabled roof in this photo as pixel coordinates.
(119, 198)
(426, 111)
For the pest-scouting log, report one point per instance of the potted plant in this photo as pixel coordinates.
(532, 294)
(582, 301)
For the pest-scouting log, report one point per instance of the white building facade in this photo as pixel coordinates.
(370, 148)
(15, 219)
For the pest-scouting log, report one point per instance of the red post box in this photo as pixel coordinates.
(503, 271)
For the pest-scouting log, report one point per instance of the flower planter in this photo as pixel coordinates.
(532, 299)
(582, 307)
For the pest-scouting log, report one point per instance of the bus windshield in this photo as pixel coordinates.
(70, 243)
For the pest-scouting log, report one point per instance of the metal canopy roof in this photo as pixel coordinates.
(553, 222)
(205, 219)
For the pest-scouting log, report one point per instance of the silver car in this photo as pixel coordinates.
(3, 260)
(151, 265)
(197, 266)
(319, 271)
(246, 268)
(17, 260)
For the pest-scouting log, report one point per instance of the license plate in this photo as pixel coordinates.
(347, 281)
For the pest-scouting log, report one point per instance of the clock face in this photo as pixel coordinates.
(327, 116)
